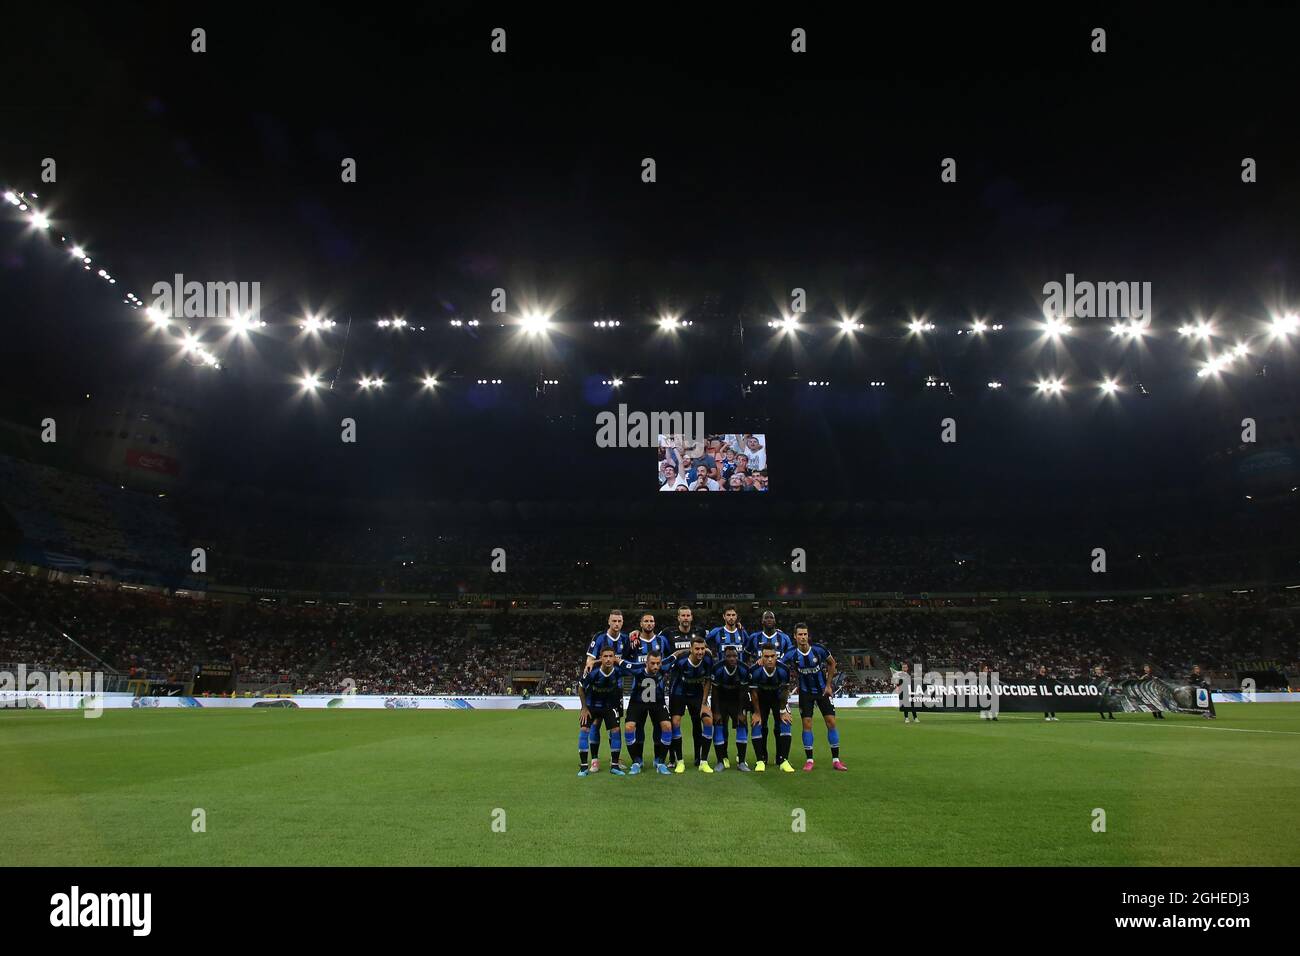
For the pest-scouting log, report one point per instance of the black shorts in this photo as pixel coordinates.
(727, 706)
(637, 712)
(679, 705)
(598, 715)
(769, 705)
(807, 702)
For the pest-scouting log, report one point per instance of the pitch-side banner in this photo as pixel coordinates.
(1121, 699)
(1043, 694)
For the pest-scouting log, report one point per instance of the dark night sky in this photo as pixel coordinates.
(775, 170)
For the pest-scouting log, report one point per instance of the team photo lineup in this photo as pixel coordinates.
(735, 686)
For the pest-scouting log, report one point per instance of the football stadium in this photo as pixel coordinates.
(341, 353)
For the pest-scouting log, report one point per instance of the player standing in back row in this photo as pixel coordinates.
(814, 669)
(728, 634)
(770, 636)
(680, 638)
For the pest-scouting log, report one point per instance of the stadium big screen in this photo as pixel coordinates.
(724, 462)
(340, 347)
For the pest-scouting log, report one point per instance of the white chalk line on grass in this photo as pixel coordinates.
(1134, 723)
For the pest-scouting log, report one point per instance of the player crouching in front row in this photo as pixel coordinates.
(647, 703)
(769, 684)
(730, 685)
(600, 693)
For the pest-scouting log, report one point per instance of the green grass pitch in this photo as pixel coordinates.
(284, 787)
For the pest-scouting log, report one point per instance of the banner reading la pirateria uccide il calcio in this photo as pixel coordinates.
(1039, 694)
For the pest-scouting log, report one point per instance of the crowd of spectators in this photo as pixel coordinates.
(330, 648)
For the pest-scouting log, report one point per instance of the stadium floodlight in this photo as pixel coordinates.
(1132, 329)
(1202, 330)
(920, 326)
(78, 253)
(39, 220)
(310, 382)
(1284, 325)
(1108, 385)
(850, 324)
(12, 198)
(430, 382)
(613, 382)
(1050, 386)
(1215, 365)
(995, 384)
(535, 322)
(790, 323)
(1054, 327)
(978, 327)
(157, 316)
(243, 324)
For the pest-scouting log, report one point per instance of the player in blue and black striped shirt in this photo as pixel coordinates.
(640, 644)
(689, 692)
(730, 702)
(648, 703)
(611, 637)
(728, 634)
(769, 636)
(814, 669)
(601, 694)
(769, 694)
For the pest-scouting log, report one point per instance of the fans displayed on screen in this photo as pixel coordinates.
(735, 462)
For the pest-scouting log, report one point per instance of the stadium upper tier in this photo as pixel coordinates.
(74, 522)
